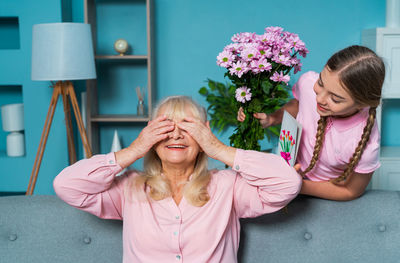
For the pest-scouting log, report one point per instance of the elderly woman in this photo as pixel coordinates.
(177, 210)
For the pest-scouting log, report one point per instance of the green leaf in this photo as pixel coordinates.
(211, 85)
(203, 91)
(266, 86)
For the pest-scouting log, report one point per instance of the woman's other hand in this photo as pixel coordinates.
(155, 131)
(209, 143)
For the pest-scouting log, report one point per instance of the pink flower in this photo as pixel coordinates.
(279, 77)
(243, 94)
(249, 53)
(239, 68)
(297, 68)
(303, 52)
(260, 66)
(282, 59)
(274, 29)
(225, 59)
(245, 37)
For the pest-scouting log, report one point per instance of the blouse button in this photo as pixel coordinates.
(177, 217)
(110, 161)
(178, 257)
(237, 167)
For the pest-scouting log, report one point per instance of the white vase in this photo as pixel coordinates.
(12, 116)
(15, 144)
(393, 13)
(116, 146)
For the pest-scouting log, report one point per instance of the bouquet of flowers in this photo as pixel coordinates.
(259, 66)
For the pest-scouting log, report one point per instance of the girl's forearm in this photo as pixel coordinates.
(327, 190)
(292, 107)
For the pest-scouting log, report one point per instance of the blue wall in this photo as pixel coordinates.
(188, 37)
(15, 72)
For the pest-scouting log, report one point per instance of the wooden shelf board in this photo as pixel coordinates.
(386, 96)
(390, 152)
(125, 57)
(119, 118)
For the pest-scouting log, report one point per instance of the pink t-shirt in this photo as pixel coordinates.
(341, 136)
(161, 231)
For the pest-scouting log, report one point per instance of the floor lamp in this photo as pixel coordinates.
(61, 52)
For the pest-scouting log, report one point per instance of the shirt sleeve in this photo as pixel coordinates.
(264, 184)
(91, 185)
(304, 85)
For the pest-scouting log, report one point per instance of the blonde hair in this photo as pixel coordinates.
(195, 190)
(361, 73)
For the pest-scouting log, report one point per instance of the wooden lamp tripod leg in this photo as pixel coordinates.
(68, 125)
(70, 91)
(43, 139)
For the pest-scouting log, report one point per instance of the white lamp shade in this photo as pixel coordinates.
(62, 51)
(12, 116)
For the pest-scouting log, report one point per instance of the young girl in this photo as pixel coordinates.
(339, 148)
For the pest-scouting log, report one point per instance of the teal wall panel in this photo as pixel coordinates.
(9, 33)
(15, 70)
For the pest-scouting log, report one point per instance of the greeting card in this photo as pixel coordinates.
(289, 138)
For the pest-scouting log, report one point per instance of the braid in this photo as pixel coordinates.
(360, 147)
(319, 139)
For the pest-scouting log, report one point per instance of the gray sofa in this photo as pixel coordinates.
(44, 229)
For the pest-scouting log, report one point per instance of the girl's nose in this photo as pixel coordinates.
(321, 98)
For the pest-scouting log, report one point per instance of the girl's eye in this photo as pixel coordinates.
(335, 101)
(320, 83)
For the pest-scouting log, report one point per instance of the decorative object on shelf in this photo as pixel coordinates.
(62, 52)
(121, 46)
(393, 13)
(259, 67)
(12, 116)
(140, 106)
(116, 146)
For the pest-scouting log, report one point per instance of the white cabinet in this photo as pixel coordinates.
(386, 43)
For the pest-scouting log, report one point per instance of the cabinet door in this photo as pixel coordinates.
(388, 176)
(391, 54)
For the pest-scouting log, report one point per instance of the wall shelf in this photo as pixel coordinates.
(111, 98)
(125, 57)
(119, 118)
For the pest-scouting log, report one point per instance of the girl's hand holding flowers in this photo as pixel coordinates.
(265, 119)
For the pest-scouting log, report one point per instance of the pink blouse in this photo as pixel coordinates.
(161, 231)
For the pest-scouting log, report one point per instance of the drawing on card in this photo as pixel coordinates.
(289, 138)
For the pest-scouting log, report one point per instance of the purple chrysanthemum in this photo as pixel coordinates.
(243, 94)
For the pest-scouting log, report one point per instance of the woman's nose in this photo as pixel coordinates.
(176, 133)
